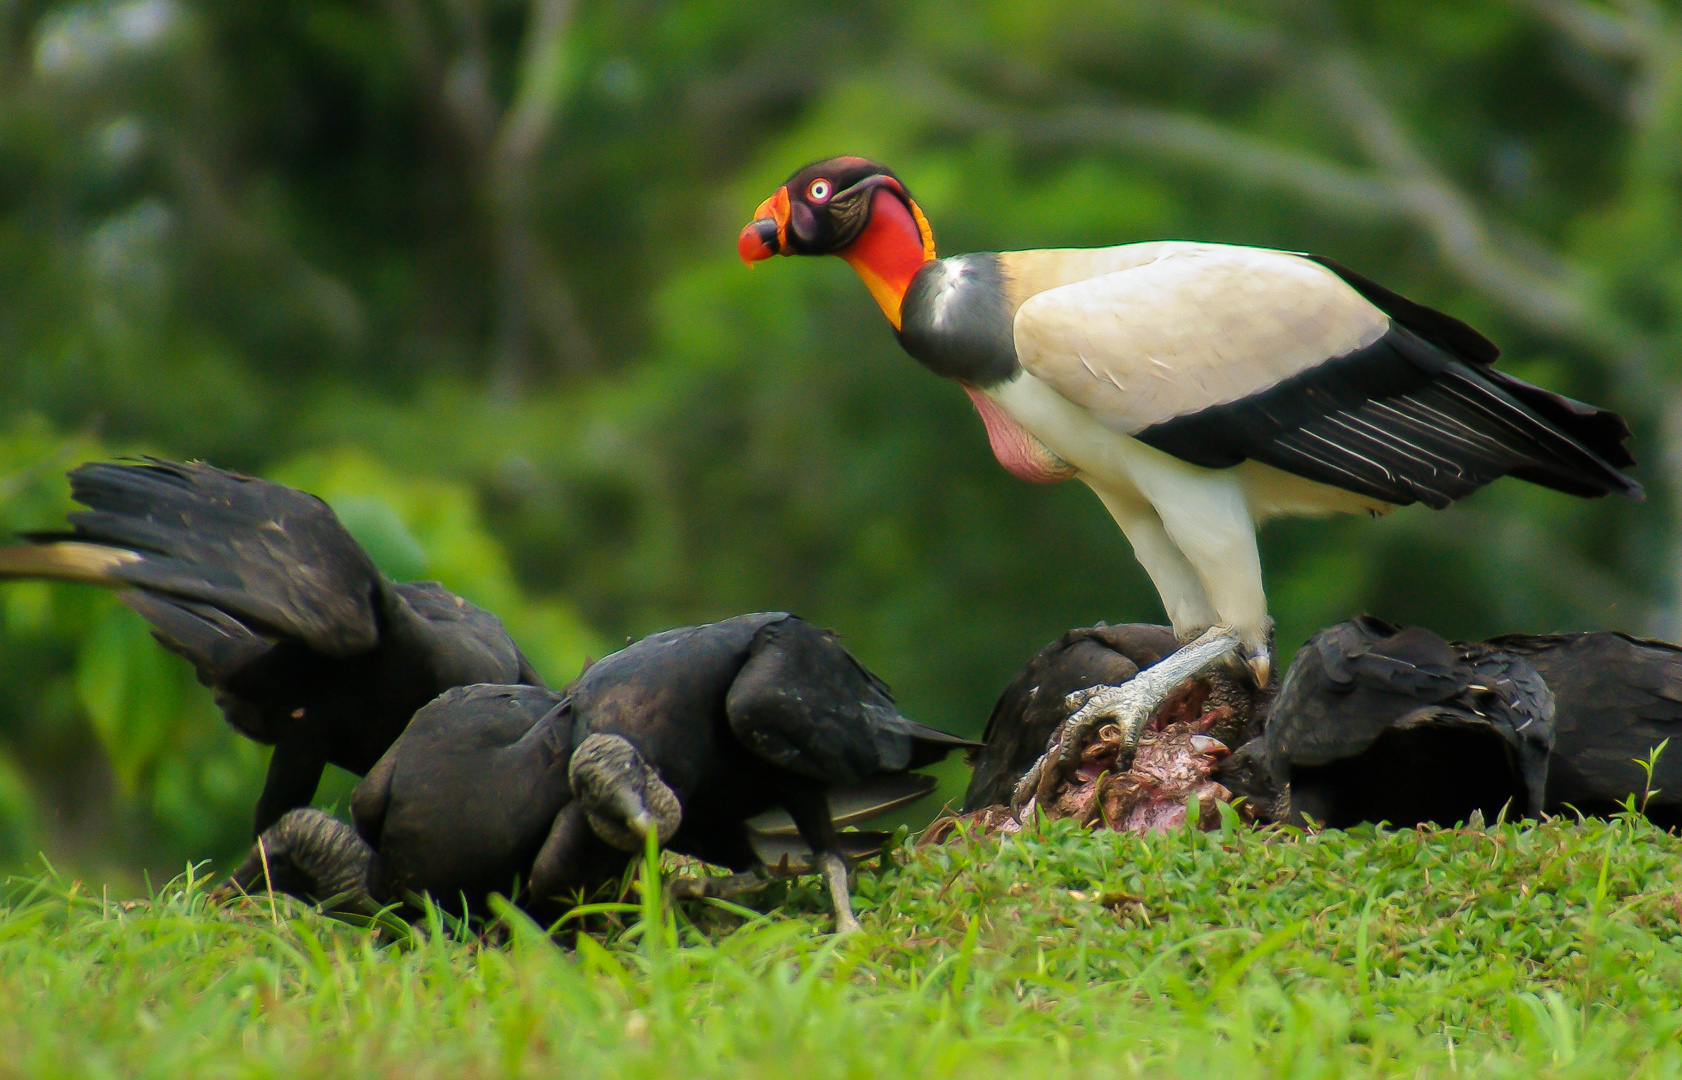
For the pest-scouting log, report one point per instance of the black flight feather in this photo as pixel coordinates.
(1403, 420)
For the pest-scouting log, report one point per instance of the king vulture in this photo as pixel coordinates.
(1198, 388)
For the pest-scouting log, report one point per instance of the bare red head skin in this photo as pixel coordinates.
(851, 207)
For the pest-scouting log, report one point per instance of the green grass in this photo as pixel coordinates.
(1553, 951)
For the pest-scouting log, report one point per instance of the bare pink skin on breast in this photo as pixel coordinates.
(1022, 455)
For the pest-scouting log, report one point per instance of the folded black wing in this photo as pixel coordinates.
(1617, 700)
(1417, 416)
(1374, 723)
(802, 702)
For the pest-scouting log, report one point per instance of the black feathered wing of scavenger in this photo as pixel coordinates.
(803, 703)
(1377, 723)
(281, 613)
(1617, 698)
(751, 714)
(276, 559)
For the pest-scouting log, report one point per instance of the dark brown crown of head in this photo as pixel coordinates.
(829, 202)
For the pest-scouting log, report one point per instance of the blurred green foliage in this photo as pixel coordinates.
(466, 270)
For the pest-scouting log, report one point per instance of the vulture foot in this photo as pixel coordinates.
(834, 869)
(1129, 706)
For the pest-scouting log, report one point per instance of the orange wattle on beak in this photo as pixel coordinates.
(767, 234)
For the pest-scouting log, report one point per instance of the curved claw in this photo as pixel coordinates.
(1128, 705)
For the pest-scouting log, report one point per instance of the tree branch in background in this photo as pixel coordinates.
(415, 39)
(535, 297)
(332, 306)
(1553, 299)
(1176, 136)
(1191, 140)
(500, 155)
(1599, 29)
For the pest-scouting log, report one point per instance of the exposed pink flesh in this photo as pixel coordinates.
(1022, 455)
(1171, 762)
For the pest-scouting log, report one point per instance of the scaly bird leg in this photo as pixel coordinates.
(834, 869)
(1129, 705)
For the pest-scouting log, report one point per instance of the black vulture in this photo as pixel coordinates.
(1378, 723)
(736, 718)
(694, 735)
(281, 613)
(1617, 698)
(470, 799)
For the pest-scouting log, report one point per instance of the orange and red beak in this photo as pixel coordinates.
(767, 234)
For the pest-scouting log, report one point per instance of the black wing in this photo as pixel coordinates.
(459, 642)
(1617, 698)
(1351, 682)
(1417, 416)
(1375, 723)
(274, 558)
(802, 702)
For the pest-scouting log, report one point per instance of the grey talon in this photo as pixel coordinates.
(1129, 705)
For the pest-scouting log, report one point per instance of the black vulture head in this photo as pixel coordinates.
(623, 797)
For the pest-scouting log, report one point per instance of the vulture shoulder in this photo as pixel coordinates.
(1195, 326)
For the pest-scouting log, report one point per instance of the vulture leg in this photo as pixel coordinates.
(733, 852)
(1176, 582)
(1208, 518)
(809, 807)
(1129, 705)
(294, 773)
(835, 876)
